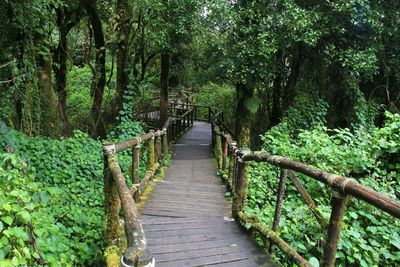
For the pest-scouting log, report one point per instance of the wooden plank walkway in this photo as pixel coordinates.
(187, 217)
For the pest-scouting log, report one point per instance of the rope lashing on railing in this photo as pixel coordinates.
(109, 149)
(139, 139)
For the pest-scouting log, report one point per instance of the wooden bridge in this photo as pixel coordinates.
(186, 220)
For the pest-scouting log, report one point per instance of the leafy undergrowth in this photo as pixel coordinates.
(51, 206)
(370, 237)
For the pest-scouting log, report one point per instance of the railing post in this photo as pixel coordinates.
(212, 135)
(225, 154)
(232, 164)
(338, 203)
(165, 147)
(191, 118)
(209, 114)
(278, 206)
(158, 149)
(112, 202)
(172, 136)
(150, 153)
(218, 149)
(135, 169)
(240, 188)
(195, 113)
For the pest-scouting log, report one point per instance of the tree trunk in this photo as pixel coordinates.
(60, 70)
(99, 78)
(243, 115)
(49, 115)
(165, 64)
(289, 91)
(123, 30)
(65, 21)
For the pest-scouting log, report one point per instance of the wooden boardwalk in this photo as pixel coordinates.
(187, 218)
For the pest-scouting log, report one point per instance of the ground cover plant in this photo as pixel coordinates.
(52, 207)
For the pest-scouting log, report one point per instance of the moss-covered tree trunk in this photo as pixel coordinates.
(124, 15)
(50, 122)
(243, 115)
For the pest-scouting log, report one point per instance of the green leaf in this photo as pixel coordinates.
(314, 262)
(8, 220)
(247, 226)
(15, 261)
(45, 197)
(7, 207)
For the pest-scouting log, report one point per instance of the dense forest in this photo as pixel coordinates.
(316, 81)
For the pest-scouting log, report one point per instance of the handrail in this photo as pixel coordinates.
(117, 192)
(226, 150)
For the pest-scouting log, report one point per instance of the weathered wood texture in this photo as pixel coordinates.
(187, 218)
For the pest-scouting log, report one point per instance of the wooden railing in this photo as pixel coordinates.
(118, 194)
(233, 161)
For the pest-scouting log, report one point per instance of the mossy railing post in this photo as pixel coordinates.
(338, 203)
(232, 164)
(225, 154)
(212, 135)
(240, 188)
(111, 199)
(158, 149)
(165, 148)
(278, 206)
(191, 117)
(218, 147)
(150, 152)
(136, 169)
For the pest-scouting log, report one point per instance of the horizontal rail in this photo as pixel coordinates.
(342, 184)
(136, 140)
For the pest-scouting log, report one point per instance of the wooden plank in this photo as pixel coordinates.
(198, 253)
(208, 260)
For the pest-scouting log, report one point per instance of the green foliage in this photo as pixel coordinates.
(306, 113)
(55, 188)
(7, 139)
(80, 97)
(221, 97)
(370, 236)
(67, 229)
